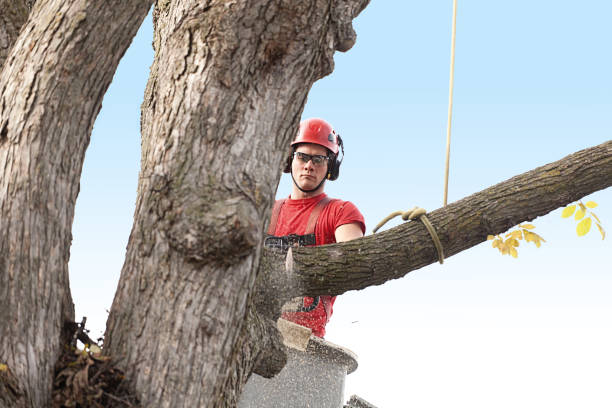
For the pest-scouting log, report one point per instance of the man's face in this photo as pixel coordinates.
(308, 175)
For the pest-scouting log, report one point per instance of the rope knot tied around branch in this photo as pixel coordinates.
(413, 214)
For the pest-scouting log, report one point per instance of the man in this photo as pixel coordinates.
(308, 217)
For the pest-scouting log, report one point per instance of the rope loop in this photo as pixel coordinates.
(413, 214)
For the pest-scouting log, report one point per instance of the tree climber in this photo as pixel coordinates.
(308, 216)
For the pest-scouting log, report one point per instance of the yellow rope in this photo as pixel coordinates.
(417, 212)
(412, 214)
(450, 102)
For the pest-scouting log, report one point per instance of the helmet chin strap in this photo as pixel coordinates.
(307, 191)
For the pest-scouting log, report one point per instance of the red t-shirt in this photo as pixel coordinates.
(292, 219)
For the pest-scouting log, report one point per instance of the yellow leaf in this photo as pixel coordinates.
(527, 226)
(513, 252)
(591, 204)
(579, 214)
(596, 217)
(568, 211)
(513, 242)
(495, 243)
(508, 234)
(601, 231)
(490, 237)
(581, 205)
(95, 349)
(583, 227)
(517, 234)
(505, 248)
(533, 237)
(3, 367)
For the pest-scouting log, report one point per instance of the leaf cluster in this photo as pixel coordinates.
(583, 215)
(509, 243)
(86, 378)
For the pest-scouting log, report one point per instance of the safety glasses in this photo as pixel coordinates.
(304, 158)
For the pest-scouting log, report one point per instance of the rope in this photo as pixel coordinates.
(412, 214)
(450, 102)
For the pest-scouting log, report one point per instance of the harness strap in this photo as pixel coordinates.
(326, 300)
(314, 215)
(275, 211)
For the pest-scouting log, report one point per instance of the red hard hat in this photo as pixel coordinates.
(319, 132)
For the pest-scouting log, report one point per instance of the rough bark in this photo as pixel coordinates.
(51, 89)
(13, 17)
(375, 259)
(226, 91)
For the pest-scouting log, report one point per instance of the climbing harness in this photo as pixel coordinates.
(293, 240)
(412, 214)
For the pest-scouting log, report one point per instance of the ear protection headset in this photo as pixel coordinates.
(333, 170)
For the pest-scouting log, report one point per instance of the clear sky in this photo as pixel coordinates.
(532, 85)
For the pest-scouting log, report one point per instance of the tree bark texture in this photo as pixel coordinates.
(51, 88)
(375, 259)
(226, 91)
(13, 17)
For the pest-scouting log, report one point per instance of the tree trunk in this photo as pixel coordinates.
(51, 87)
(375, 259)
(226, 91)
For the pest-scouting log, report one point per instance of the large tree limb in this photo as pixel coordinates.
(375, 259)
(51, 90)
(227, 87)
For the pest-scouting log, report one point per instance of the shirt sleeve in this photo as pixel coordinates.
(347, 213)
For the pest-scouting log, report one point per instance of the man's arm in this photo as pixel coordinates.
(347, 232)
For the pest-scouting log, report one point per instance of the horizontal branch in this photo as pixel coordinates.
(375, 259)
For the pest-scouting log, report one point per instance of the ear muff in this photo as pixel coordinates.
(335, 162)
(287, 168)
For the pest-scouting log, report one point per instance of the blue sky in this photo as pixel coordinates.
(532, 85)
